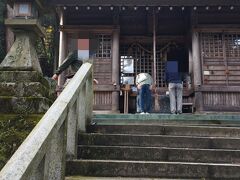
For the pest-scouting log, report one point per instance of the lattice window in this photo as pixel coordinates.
(104, 49)
(142, 57)
(221, 58)
(212, 45)
(161, 62)
(232, 45)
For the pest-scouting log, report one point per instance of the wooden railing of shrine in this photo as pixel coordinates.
(43, 153)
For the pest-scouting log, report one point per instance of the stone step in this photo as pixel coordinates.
(158, 154)
(115, 178)
(159, 141)
(114, 168)
(219, 119)
(177, 130)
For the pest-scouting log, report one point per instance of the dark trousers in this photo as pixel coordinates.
(145, 98)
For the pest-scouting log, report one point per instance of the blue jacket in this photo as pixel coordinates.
(174, 77)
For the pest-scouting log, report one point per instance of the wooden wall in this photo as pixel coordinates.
(220, 60)
(220, 53)
(223, 98)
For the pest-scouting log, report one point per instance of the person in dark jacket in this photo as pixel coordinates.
(71, 64)
(175, 87)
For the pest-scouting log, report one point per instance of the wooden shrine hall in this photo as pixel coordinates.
(124, 38)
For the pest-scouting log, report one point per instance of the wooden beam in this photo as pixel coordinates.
(106, 88)
(218, 28)
(221, 108)
(211, 88)
(87, 28)
(146, 2)
(147, 39)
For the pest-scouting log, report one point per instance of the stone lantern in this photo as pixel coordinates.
(25, 10)
(22, 86)
(26, 28)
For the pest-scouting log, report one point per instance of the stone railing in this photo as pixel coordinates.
(43, 153)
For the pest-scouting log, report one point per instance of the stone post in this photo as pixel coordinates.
(81, 107)
(71, 152)
(55, 159)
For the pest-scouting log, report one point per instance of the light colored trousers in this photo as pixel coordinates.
(175, 94)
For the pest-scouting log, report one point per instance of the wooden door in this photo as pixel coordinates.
(102, 71)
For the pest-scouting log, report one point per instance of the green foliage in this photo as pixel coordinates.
(46, 46)
(2, 30)
(13, 130)
(41, 51)
(2, 10)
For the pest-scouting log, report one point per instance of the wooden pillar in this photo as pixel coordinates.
(157, 107)
(196, 59)
(196, 62)
(197, 70)
(154, 49)
(62, 48)
(115, 69)
(190, 66)
(190, 59)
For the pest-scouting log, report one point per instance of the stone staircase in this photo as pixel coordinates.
(155, 146)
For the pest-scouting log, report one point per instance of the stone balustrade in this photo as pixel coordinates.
(43, 153)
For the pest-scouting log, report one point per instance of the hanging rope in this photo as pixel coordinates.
(164, 48)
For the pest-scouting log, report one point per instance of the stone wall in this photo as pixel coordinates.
(13, 130)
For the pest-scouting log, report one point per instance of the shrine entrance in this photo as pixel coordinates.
(137, 57)
(138, 38)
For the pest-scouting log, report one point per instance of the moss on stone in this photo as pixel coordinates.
(22, 105)
(14, 128)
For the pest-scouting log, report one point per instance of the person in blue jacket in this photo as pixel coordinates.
(175, 87)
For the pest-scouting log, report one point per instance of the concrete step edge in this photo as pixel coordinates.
(159, 135)
(166, 130)
(152, 147)
(158, 154)
(154, 162)
(117, 178)
(210, 126)
(159, 116)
